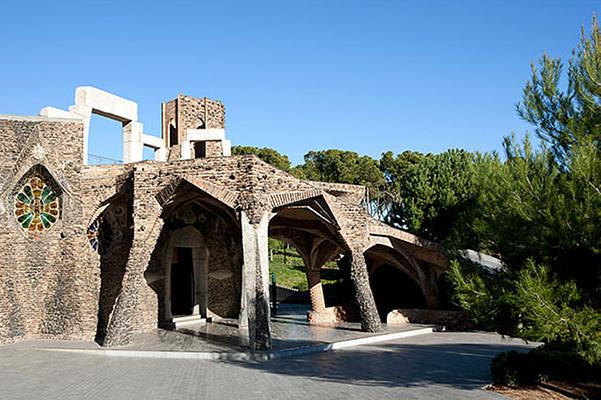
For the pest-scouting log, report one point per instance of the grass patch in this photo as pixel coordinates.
(291, 273)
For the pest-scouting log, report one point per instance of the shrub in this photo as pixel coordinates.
(533, 304)
(513, 368)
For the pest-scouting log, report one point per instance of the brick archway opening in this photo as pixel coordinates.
(394, 289)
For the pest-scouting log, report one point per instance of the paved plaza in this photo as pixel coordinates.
(441, 365)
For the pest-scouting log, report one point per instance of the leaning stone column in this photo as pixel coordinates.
(136, 307)
(429, 286)
(255, 273)
(318, 302)
(370, 320)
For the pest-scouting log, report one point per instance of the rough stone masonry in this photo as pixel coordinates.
(100, 252)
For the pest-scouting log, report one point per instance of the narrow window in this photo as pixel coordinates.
(200, 149)
(173, 139)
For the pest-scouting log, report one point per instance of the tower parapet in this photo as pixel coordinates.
(194, 128)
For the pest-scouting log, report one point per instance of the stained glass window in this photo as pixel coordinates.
(94, 234)
(36, 207)
(100, 234)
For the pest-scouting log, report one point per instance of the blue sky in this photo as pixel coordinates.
(368, 76)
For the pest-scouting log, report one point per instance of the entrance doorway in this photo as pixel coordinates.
(182, 282)
(186, 280)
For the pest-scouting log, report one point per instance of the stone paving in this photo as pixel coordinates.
(289, 330)
(442, 365)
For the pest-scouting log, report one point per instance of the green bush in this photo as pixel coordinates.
(531, 303)
(513, 368)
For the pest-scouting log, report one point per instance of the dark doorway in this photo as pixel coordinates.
(182, 282)
(200, 149)
(393, 289)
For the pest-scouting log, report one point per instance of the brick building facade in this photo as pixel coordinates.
(104, 251)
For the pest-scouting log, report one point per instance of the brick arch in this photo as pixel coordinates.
(227, 197)
(285, 198)
(423, 273)
(393, 257)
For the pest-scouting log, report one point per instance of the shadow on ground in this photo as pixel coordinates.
(392, 364)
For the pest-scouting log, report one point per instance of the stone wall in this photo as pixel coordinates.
(99, 271)
(46, 291)
(214, 148)
(168, 114)
(193, 113)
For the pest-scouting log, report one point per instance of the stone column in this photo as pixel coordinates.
(136, 307)
(86, 113)
(133, 146)
(255, 279)
(318, 302)
(370, 319)
(429, 286)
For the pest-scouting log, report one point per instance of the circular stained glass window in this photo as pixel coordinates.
(36, 207)
(100, 234)
(93, 234)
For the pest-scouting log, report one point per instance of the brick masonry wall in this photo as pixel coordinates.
(59, 287)
(45, 289)
(193, 112)
(214, 148)
(168, 113)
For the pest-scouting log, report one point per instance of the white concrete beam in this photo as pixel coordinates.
(186, 150)
(227, 147)
(160, 154)
(152, 141)
(53, 112)
(106, 104)
(201, 135)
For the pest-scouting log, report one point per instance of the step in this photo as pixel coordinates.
(192, 320)
(185, 318)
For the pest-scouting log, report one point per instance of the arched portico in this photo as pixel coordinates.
(310, 227)
(195, 268)
(414, 273)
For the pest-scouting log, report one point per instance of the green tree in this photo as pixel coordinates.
(434, 195)
(531, 303)
(540, 211)
(342, 167)
(563, 118)
(270, 156)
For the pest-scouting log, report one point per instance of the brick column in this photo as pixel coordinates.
(318, 302)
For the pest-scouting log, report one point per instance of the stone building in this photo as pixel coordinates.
(104, 251)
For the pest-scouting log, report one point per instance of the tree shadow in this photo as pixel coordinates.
(461, 365)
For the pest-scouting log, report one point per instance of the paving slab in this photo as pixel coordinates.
(223, 340)
(445, 365)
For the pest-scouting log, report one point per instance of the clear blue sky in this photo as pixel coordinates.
(368, 76)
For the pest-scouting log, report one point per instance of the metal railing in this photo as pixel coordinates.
(95, 159)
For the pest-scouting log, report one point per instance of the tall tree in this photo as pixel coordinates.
(540, 211)
(562, 118)
(433, 195)
(342, 167)
(266, 154)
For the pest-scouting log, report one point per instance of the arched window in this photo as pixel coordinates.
(37, 202)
